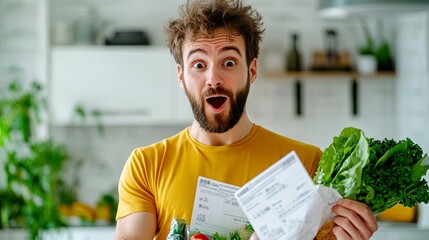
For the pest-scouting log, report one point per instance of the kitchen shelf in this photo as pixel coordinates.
(325, 74)
(298, 77)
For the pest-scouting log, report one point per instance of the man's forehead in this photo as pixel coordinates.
(218, 38)
(218, 34)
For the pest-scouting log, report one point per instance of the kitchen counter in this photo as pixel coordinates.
(400, 231)
(71, 233)
(387, 230)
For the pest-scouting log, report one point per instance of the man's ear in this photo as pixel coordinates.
(253, 70)
(179, 74)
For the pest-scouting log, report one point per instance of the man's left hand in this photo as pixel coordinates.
(354, 220)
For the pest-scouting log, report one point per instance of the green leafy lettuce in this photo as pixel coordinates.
(379, 173)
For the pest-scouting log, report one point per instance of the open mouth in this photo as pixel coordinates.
(216, 102)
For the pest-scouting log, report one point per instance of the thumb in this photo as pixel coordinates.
(254, 237)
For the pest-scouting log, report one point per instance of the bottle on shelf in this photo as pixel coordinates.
(331, 51)
(294, 61)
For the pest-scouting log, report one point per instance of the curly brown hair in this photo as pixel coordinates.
(201, 18)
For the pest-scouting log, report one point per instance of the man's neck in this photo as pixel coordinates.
(235, 134)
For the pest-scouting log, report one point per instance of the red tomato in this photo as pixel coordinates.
(199, 236)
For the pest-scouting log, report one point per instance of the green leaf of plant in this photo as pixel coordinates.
(420, 168)
(334, 156)
(399, 147)
(80, 111)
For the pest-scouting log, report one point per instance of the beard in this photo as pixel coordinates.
(220, 122)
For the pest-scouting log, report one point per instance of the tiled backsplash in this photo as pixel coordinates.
(97, 157)
(327, 108)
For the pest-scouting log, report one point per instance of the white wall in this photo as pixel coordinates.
(23, 48)
(412, 92)
(23, 45)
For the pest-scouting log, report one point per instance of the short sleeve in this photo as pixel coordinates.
(134, 187)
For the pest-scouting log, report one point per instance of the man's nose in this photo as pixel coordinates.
(214, 77)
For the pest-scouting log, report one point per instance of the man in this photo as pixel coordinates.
(215, 45)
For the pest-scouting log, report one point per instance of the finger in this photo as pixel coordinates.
(362, 210)
(346, 229)
(350, 221)
(340, 234)
(254, 237)
(353, 223)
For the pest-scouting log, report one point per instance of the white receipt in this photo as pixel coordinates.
(282, 202)
(216, 208)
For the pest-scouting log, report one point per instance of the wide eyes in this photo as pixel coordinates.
(227, 63)
(198, 65)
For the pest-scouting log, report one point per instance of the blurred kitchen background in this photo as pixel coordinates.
(110, 84)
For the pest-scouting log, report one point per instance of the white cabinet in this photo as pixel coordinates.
(126, 84)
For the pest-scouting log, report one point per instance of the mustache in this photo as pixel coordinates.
(218, 90)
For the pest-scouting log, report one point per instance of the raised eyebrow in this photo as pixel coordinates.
(229, 48)
(195, 51)
(224, 49)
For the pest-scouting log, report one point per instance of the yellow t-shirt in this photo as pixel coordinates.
(162, 178)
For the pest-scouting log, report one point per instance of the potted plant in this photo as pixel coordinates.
(366, 60)
(383, 53)
(31, 166)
